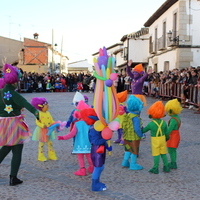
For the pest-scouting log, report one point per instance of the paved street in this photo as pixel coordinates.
(54, 180)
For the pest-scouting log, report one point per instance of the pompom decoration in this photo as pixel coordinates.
(38, 101)
(98, 126)
(113, 76)
(107, 133)
(114, 125)
(109, 83)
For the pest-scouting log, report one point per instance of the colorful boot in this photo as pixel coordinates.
(173, 165)
(155, 170)
(119, 132)
(41, 156)
(80, 172)
(97, 186)
(133, 163)
(125, 162)
(51, 151)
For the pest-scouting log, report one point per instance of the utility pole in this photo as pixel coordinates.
(52, 69)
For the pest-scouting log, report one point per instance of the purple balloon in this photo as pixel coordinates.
(102, 60)
(109, 83)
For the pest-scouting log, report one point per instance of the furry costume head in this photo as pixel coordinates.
(38, 102)
(81, 105)
(157, 110)
(2, 83)
(138, 71)
(11, 74)
(122, 96)
(134, 104)
(89, 116)
(173, 107)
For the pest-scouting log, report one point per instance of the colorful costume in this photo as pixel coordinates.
(13, 129)
(138, 77)
(132, 133)
(41, 131)
(158, 128)
(173, 108)
(122, 96)
(82, 146)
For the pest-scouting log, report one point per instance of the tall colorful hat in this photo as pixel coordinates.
(78, 97)
(138, 68)
(122, 96)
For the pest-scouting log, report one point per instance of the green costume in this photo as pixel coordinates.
(158, 128)
(174, 139)
(13, 131)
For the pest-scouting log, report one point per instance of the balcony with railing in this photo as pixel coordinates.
(161, 43)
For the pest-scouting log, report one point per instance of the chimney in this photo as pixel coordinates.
(36, 36)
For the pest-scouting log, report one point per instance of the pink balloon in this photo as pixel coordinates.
(114, 125)
(113, 76)
(106, 133)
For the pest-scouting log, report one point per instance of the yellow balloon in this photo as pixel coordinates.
(98, 126)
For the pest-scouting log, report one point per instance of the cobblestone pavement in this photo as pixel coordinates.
(54, 180)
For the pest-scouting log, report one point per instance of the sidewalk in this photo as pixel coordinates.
(54, 180)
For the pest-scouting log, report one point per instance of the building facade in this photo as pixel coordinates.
(174, 40)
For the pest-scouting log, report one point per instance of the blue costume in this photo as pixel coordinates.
(98, 154)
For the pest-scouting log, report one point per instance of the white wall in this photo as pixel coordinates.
(194, 11)
(196, 57)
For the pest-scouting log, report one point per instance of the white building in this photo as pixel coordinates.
(174, 39)
(82, 66)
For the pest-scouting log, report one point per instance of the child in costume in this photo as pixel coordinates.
(98, 154)
(132, 133)
(122, 96)
(158, 128)
(173, 108)
(41, 131)
(138, 77)
(14, 132)
(82, 146)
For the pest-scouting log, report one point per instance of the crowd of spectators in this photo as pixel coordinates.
(72, 82)
(46, 82)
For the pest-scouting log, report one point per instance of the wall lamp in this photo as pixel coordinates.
(175, 39)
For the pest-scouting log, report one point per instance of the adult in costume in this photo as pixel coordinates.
(13, 129)
(138, 77)
(158, 129)
(132, 133)
(173, 108)
(82, 145)
(41, 131)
